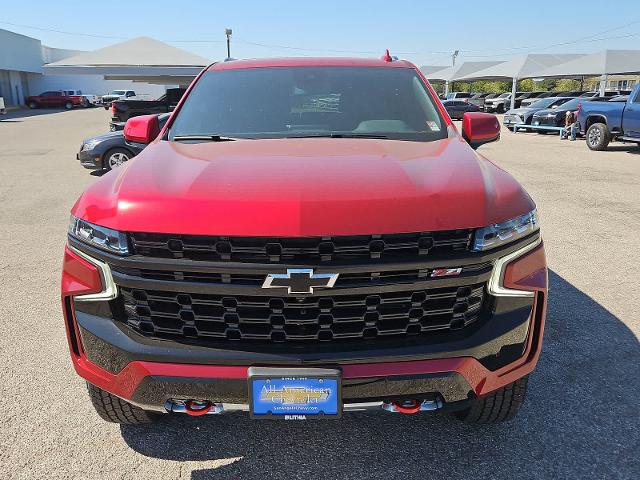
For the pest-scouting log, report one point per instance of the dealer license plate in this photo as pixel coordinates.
(294, 393)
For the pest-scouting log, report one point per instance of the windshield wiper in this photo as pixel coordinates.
(204, 138)
(358, 135)
(340, 135)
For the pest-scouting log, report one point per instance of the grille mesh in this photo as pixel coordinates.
(203, 317)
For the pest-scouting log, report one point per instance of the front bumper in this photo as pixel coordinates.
(89, 159)
(148, 371)
(455, 372)
(511, 119)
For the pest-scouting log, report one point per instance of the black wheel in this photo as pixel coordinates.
(68, 105)
(33, 104)
(500, 406)
(598, 137)
(115, 157)
(85, 102)
(115, 410)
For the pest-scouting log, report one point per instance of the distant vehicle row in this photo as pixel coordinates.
(501, 102)
(550, 111)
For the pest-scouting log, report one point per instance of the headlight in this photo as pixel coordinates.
(101, 237)
(506, 232)
(90, 145)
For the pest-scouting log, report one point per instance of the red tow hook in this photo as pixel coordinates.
(196, 408)
(409, 407)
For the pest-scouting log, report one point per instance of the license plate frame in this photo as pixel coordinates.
(302, 381)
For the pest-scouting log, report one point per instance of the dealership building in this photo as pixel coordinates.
(21, 72)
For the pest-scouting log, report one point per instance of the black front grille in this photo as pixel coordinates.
(203, 318)
(372, 276)
(546, 121)
(397, 247)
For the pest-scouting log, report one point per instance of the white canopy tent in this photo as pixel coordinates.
(518, 68)
(138, 59)
(429, 70)
(454, 73)
(603, 63)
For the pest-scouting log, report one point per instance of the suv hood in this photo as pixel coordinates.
(105, 136)
(303, 187)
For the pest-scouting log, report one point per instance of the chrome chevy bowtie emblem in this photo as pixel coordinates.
(300, 280)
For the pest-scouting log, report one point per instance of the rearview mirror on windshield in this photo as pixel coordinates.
(480, 128)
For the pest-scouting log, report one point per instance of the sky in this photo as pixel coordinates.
(423, 32)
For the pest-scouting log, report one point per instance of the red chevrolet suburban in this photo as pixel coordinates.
(304, 238)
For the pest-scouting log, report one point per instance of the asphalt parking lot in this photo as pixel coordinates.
(581, 418)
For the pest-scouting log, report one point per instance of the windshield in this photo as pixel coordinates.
(545, 102)
(559, 101)
(572, 104)
(283, 102)
(117, 92)
(504, 95)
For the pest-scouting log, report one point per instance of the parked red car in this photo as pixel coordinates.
(54, 98)
(306, 237)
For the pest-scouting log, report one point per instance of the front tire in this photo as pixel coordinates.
(499, 406)
(115, 410)
(115, 158)
(598, 137)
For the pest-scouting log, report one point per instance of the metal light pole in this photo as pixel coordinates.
(228, 32)
(446, 83)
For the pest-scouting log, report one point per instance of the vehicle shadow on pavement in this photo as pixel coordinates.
(580, 420)
(10, 116)
(632, 148)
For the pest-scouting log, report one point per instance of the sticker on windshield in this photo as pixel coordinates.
(433, 126)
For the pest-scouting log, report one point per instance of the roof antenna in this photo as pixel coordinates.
(386, 57)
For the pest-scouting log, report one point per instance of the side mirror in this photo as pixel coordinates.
(142, 129)
(479, 128)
